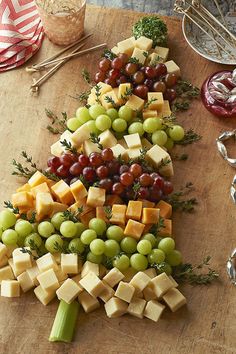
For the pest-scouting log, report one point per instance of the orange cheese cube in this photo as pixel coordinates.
(113, 199)
(41, 188)
(85, 218)
(147, 228)
(62, 192)
(167, 229)
(78, 190)
(165, 209)
(57, 207)
(134, 210)
(36, 179)
(148, 113)
(25, 188)
(96, 197)
(147, 203)
(22, 200)
(44, 204)
(134, 229)
(118, 214)
(150, 216)
(101, 214)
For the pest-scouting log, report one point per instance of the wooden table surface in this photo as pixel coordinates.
(208, 323)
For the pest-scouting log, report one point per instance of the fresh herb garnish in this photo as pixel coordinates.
(58, 125)
(109, 54)
(186, 205)
(73, 216)
(68, 146)
(164, 162)
(189, 138)
(136, 188)
(151, 27)
(82, 97)
(156, 61)
(185, 92)
(148, 103)
(133, 60)
(109, 99)
(145, 54)
(157, 227)
(97, 92)
(169, 121)
(86, 76)
(108, 212)
(182, 157)
(127, 94)
(9, 205)
(96, 140)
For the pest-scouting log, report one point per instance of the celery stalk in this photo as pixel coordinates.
(64, 322)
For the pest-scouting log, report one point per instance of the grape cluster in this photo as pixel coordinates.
(143, 78)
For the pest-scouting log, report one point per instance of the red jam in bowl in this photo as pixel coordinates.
(218, 94)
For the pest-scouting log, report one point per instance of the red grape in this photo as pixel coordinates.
(113, 74)
(104, 64)
(155, 194)
(159, 86)
(116, 178)
(161, 69)
(76, 169)
(54, 162)
(124, 57)
(136, 170)
(89, 174)
(83, 160)
(102, 172)
(126, 179)
(99, 76)
(122, 80)
(110, 82)
(158, 183)
(62, 171)
(123, 168)
(67, 159)
(141, 91)
(170, 95)
(131, 68)
(145, 180)
(139, 77)
(106, 184)
(168, 187)
(148, 83)
(113, 167)
(107, 154)
(154, 175)
(150, 72)
(143, 193)
(117, 63)
(170, 80)
(117, 188)
(95, 159)
(129, 193)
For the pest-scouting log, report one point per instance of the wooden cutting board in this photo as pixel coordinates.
(208, 323)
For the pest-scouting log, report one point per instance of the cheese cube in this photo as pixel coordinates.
(151, 272)
(56, 149)
(62, 192)
(144, 43)
(113, 277)
(25, 188)
(122, 90)
(126, 46)
(165, 209)
(107, 139)
(136, 307)
(48, 280)
(57, 207)
(119, 151)
(140, 55)
(162, 52)
(113, 199)
(41, 188)
(134, 210)
(3, 261)
(165, 110)
(115, 50)
(6, 274)
(134, 229)
(80, 135)
(36, 179)
(21, 260)
(44, 296)
(166, 230)
(68, 291)
(156, 155)
(115, 307)
(136, 103)
(10, 249)
(140, 281)
(134, 153)
(149, 294)
(89, 147)
(174, 299)
(10, 288)
(96, 197)
(104, 99)
(150, 216)
(148, 113)
(159, 101)
(154, 59)
(69, 263)
(22, 200)
(17, 270)
(44, 203)
(92, 284)
(89, 267)
(60, 275)
(172, 68)
(104, 88)
(118, 214)
(125, 291)
(77, 279)
(133, 140)
(3, 250)
(175, 284)
(33, 273)
(153, 310)
(26, 283)
(107, 292)
(161, 284)
(46, 262)
(78, 190)
(128, 274)
(80, 203)
(101, 214)
(88, 302)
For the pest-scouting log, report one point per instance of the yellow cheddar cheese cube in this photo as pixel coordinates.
(125, 291)
(174, 299)
(136, 103)
(26, 283)
(10, 288)
(134, 210)
(41, 188)
(162, 52)
(101, 213)
(113, 277)
(80, 135)
(57, 207)
(134, 229)
(126, 46)
(22, 200)
(118, 214)
(44, 296)
(115, 307)
(107, 139)
(25, 188)
(156, 156)
(136, 307)
(3, 261)
(78, 190)
(80, 203)
(166, 230)
(140, 55)
(165, 209)
(123, 89)
(89, 147)
(3, 250)
(144, 43)
(165, 110)
(153, 310)
(6, 273)
(96, 197)
(102, 271)
(159, 101)
(150, 216)
(109, 96)
(44, 203)
(88, 302)
(104, 88)
(62, 192)
(133, 140)
(147, 203)
(122, 143)
(36, 179)
(148, 113)
(172, 68)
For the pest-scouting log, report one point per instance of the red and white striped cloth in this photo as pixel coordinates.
(21, 32)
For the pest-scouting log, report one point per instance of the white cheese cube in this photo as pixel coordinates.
(133, 140)
(126, 46)
(56, 149)
(89, 267)
(3, 261)
(174, 299)
(10, 288)
(136, 103)
(125, 291)
(149, 294)
(89, 147)
(16, 270)
(140, 281)
(115, 50)
(134, 153)
(140, 55)
(81, 135)
(88, 302)
(69, 263)
(60, 274)
(115, 307)
(57, 257)
(113, 277)
(175, 284)
(46, 262)
(119, 150)
(172, 68)
(104, 88)
(44, 296)
(153, 310)
(26, 283)
(156, 155)
(136, 307)
(48, 280)
(144, 43)
(128, 274)
(151, 272)
(162, 52)
(107, 139)
(107, 293)
(33, 273)
(92, 284)
(3, 250)
(154, 59)
(68, 291)
(77, 279)
(161, 284)
(96, 197)
(37, 179)
(21, 260)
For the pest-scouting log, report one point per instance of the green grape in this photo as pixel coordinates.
(97, 247)
(80, 228)
(96, 110)
(138, 261)
(115, 233)
(112, 248)
(93, 258)
(159, 137)
(7, 219)
(159, 123)
(91, 124)
(57, 220)
(174, 258)
(150, 237)
(1, 231)
(45, 229)
(176, 133)
(125, 113)
(98, 225)
(9, 237)
(33, 239)
(156, 256)
(128, 245)
(76, 245)
(119, 125)
(23, 228)
(83, 114)
(169, 144)
(52, 242)
(135, 120)
(166, 269)
(136, 128)
(150, 125)
(88, 236)
(103, 122)
(167, 245)
(68, 229)
(144, 247)
(73, 124)
(121, 263)
(112, 113)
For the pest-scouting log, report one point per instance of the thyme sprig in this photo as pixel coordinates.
(128, 92)
(185, 93)
(136, 188)
(158, 59)
(86, 76)
(164, 162)
(109, 99)
(68, 146)
(186, 205)
(82, 97)
(148, 103)
(96, 140)
(9, 205)
(73, 216)
(58, 125)
(108, 54)
(108, 212)
(182, 157)
(169, 121)
(97, 92)
(189, 138)
(133, 60)
(157, 227)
